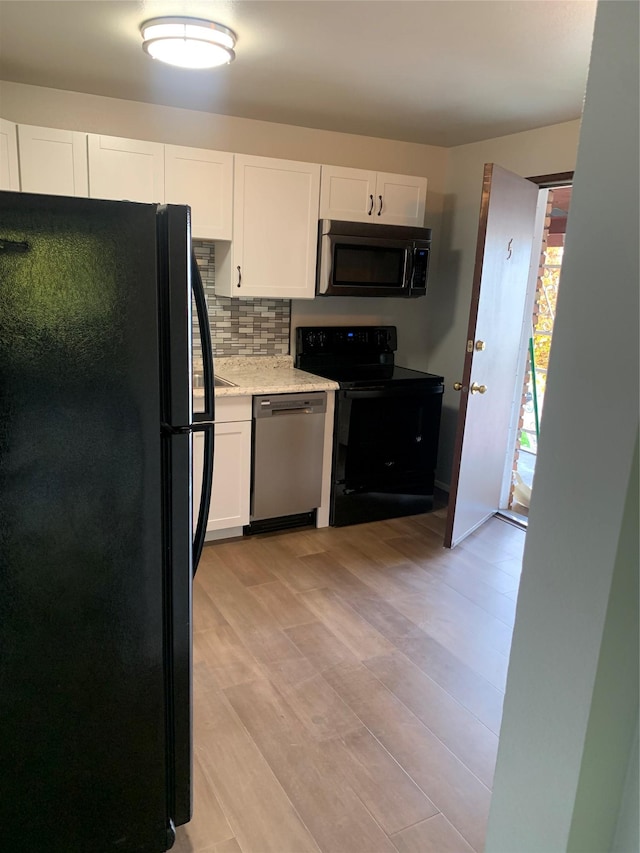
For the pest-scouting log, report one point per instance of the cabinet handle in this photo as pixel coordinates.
(239, 276)
(380, 211)
(371, 208)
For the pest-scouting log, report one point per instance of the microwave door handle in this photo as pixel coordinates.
(408, 272)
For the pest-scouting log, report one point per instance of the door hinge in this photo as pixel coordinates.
(469, 346)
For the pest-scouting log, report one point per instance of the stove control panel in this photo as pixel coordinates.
(339, 340)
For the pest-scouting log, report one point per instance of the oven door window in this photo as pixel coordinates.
(371, 266)
(389, 444)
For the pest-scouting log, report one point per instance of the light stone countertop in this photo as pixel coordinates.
(264, 375)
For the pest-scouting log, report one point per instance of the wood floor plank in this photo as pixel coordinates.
(343, 621)
(245, 560)
(259, 632)
(208, 826)
(460, 681)
(230, 846)
(320, 646)
(326, 716)
(469, 739)
(330, 809)
(384, 617)
(376, 549)
(402, 578)
(471, 634)
(228, 659)
(435, 835)
(319, 708)
(296, 574)
(469, 565)
(284, 606)
(258, 810)
(387, 791)
(205, 614)
(453, 789)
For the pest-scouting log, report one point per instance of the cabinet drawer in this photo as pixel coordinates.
(232, 409)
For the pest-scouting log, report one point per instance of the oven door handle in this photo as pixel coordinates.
(392, 391)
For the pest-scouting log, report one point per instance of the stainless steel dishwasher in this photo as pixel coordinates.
(288, 441)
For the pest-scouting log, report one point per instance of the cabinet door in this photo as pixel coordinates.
(231, 475)
(347, 194)
(400, 199)
(126, 169)
(202, 179)
(275, 226)
(9, 176)
(53, 161)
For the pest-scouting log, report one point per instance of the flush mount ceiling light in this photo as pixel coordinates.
(188, 42)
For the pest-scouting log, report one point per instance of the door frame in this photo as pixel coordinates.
(545, 182)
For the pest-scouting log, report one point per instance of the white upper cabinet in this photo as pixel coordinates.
(275, 227)
(9, 176)
(53, 161)
(202, 179)
(125, 169)
(357, 195)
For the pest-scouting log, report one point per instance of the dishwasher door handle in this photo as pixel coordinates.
(307, 411)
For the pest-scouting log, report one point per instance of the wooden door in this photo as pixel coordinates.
(503, 252)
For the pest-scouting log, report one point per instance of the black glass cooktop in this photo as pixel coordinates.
(356, 357)
(363, 375)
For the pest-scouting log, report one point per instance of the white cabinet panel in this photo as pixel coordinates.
(53, 161)
(231, 476)
(275, 213)
(357, 195)
(231, 468)
(400, 199)
(125, 169)
(347, 194)
(202, 179)
(9, 176)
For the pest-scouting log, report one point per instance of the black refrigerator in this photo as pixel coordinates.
(97, 548)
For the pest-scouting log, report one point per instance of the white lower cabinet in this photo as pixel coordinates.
(229, 509)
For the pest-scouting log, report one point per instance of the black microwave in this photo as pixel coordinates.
(359, 259)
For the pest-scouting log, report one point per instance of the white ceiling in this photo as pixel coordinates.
(439, 72)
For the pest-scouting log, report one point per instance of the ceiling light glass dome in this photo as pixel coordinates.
(188, 42)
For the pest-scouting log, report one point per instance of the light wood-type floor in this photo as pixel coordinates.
(348, 687)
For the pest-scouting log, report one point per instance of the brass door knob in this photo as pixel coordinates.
(478, 389)
(457, 386)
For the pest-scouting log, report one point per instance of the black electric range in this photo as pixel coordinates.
(387, 422)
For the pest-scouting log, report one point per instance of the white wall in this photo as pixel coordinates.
(571, 705)
(544, 151)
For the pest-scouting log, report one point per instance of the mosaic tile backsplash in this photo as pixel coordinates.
(240, 326)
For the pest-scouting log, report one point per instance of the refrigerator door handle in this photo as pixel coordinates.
(205, 494)
(205, 340)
